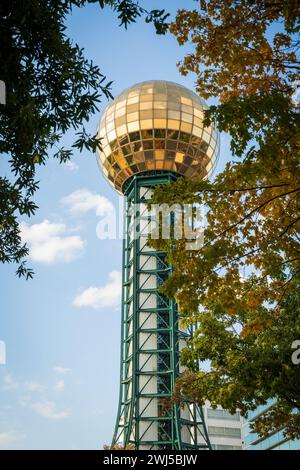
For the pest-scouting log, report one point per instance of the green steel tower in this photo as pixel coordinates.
(151, 134)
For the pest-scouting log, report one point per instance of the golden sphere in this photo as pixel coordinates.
(156, 126)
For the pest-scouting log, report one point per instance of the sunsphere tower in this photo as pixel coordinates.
(151, 134)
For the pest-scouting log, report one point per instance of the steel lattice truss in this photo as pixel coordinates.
(151, 340)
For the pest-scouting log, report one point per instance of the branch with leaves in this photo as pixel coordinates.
(51, 89)
(242, 286)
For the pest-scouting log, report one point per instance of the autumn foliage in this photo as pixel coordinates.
(242, 286)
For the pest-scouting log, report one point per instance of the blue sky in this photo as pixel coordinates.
(59, 386)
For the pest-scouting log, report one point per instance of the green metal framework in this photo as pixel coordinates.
(150, 340)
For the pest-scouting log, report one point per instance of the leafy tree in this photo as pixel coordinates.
(51, 87)
(242, 286)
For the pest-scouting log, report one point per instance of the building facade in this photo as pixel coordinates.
(224, 429)
(274, 441)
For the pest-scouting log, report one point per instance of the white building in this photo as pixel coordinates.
(224, 429)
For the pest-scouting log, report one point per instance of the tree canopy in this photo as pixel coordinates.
(242, 286)
(51, 88)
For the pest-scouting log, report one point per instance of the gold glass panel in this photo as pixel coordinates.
(137, 146)
(148, 144)
(209, 166)
(209, 151)
(133, 100)
(184, 136)
(159, 154)
(187, 109)
(122, 163)
(159, 144)
(131, 108)
(139, 156)
(168, 165)
(150, 164)
(111, 135)
(120, 121)
(198, 113)
(175, 106)
(197, 131)
(110, 126)
(160, 113)
(171, 144)
(146, 105)
(159, 165)
(126, 149)
(170, 155)
(187, 117)
(195, 141)
(149, 155)
(146, 114)
(133, 126)
(160, 133)
(144, 98)
(199, 106)
(121, 104)
(121, 130)
(198, 122)
(109, 112)
(107, 150)
(158, 123)
(109, 118)
(159, 126)
(146, 124)
(172, 134)
(120, 112)
(179, 157)
(173, 124)
(133, 136)
(104, 142)
(182, 147)
(186, 127)
(160, 97)
(142, 166)
(173, 114)
(206, 136)
(187, 101)
(148, 134)
(159, 104)
(132, 117)
(133, 93)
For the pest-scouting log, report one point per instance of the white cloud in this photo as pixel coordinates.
(48, 409)
(81, 201)
(7, 438)
(34, 386)
(9, 383)
(103, 296)
(59, 386)
(61, 370)
(71, 166)
(50, 242)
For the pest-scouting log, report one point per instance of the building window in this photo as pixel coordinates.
(226, 432)
(222, 414)
(225, 447)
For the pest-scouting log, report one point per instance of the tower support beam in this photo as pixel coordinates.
(151, 340)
